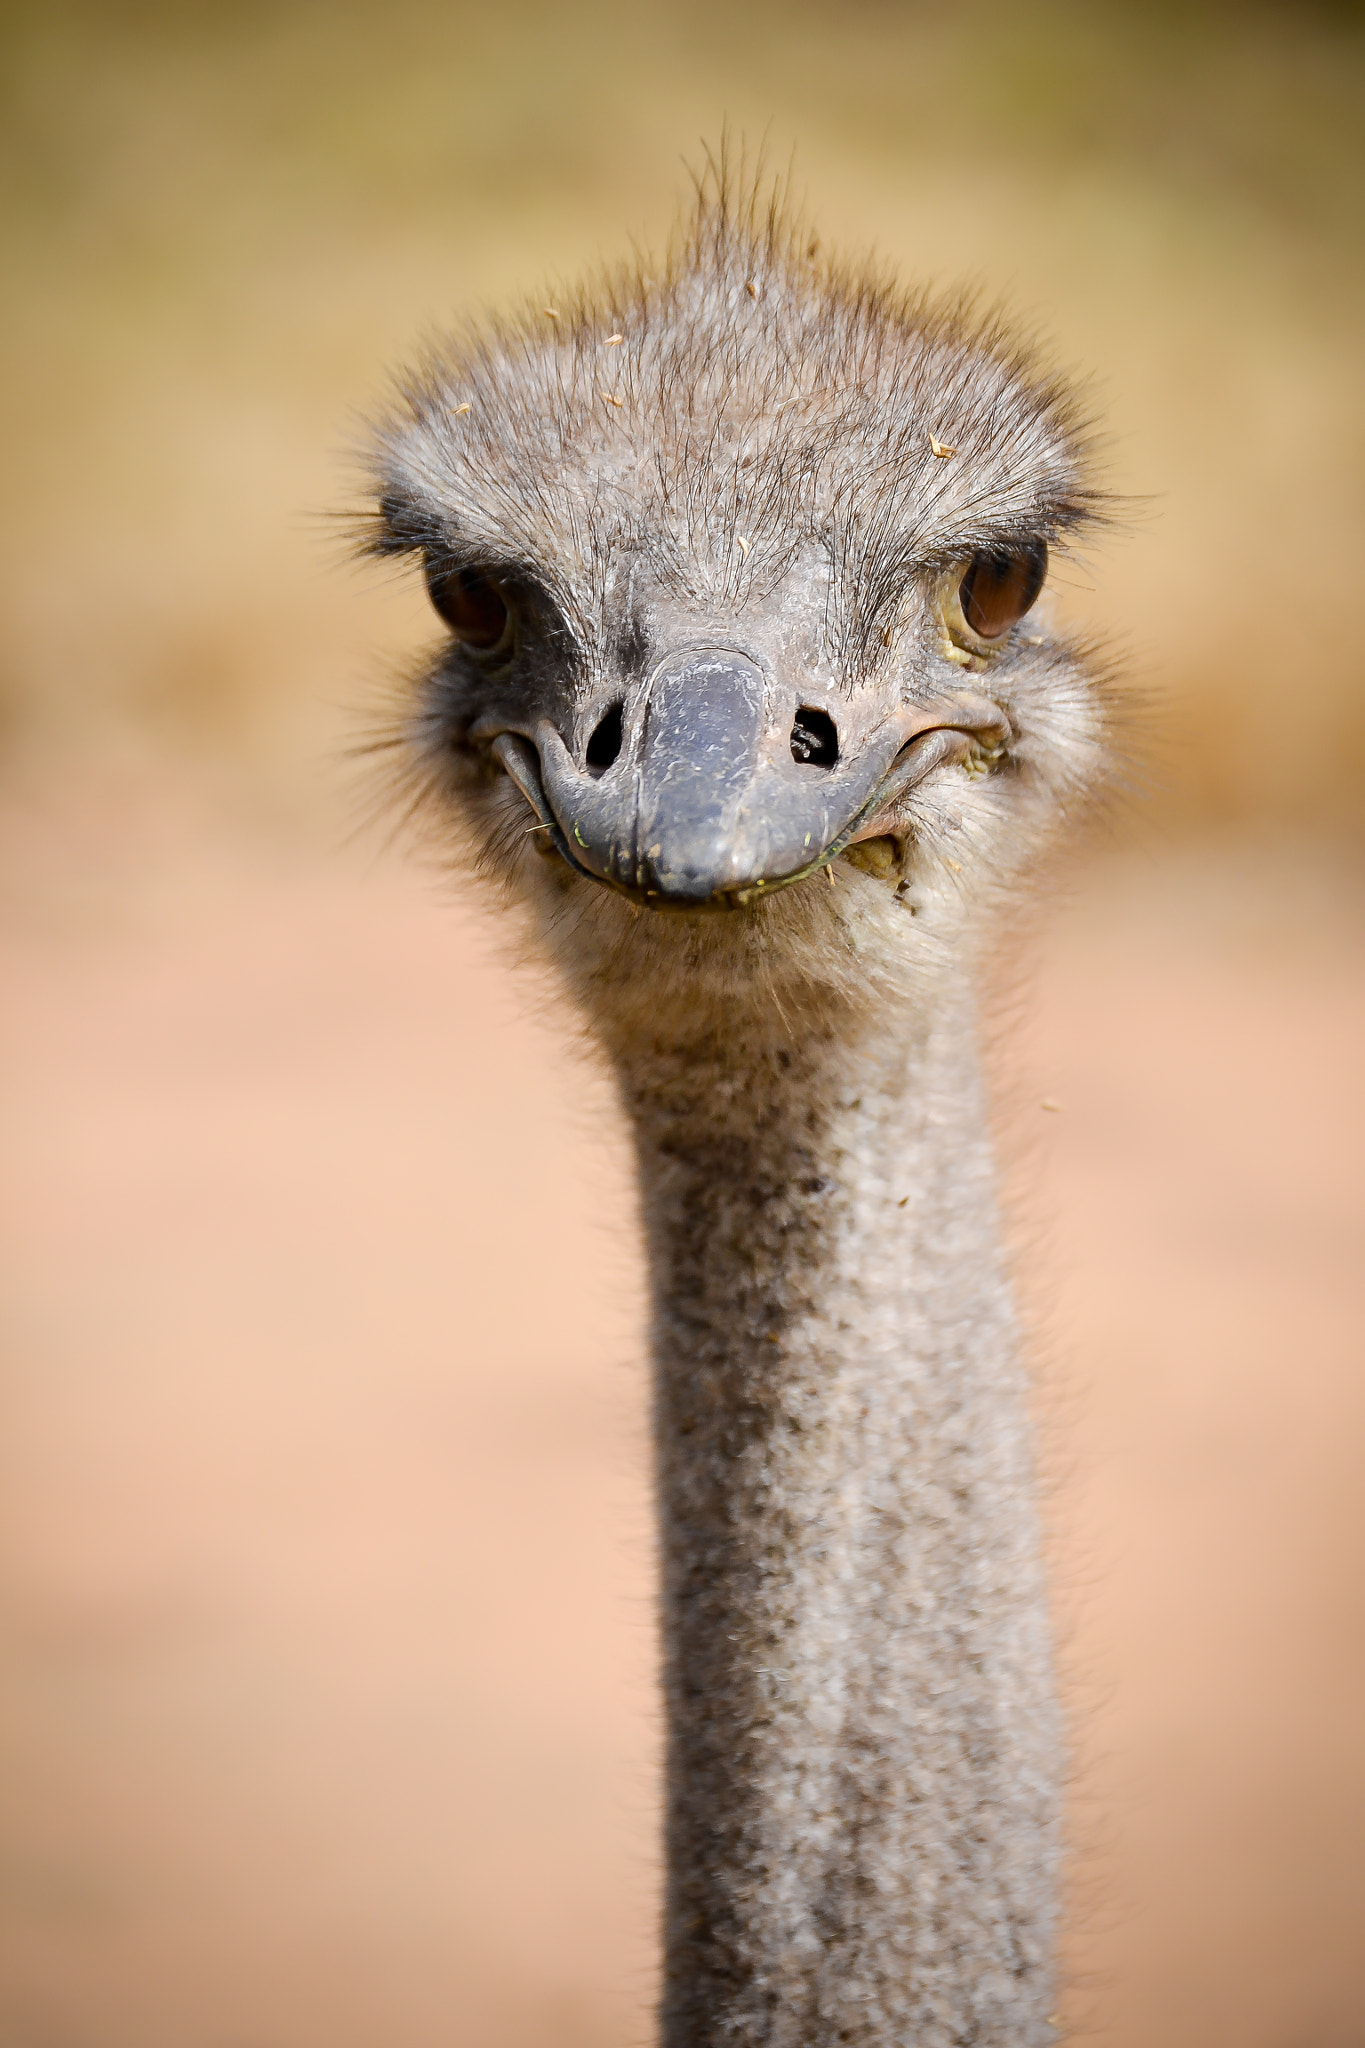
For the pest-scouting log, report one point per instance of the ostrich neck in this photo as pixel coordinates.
(862, 1749)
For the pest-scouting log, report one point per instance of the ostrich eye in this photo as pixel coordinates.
(1000, 586)
(470, 603)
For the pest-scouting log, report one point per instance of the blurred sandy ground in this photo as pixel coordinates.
(326, 1679)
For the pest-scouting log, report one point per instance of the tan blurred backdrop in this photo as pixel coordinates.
(326, 1683)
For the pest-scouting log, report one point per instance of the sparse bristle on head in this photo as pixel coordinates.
(723, 408)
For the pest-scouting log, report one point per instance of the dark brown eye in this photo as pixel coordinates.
(470, 603)
(1000, 586)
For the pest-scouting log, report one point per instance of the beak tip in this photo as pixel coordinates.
(698, 868)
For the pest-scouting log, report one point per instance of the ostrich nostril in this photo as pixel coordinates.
(605, 743)
(814, 739)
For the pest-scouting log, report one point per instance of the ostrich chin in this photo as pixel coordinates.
(840, 893)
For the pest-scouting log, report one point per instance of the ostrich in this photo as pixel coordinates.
(742, 708)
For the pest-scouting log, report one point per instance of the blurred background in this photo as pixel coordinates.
(326, 1675)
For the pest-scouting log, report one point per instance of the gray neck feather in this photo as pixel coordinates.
(863, 1748)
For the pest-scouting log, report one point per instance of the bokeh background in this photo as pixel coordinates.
(326, 1671)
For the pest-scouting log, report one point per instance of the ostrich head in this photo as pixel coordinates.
(739, 563)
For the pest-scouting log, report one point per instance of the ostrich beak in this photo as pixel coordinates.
(709, 803)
